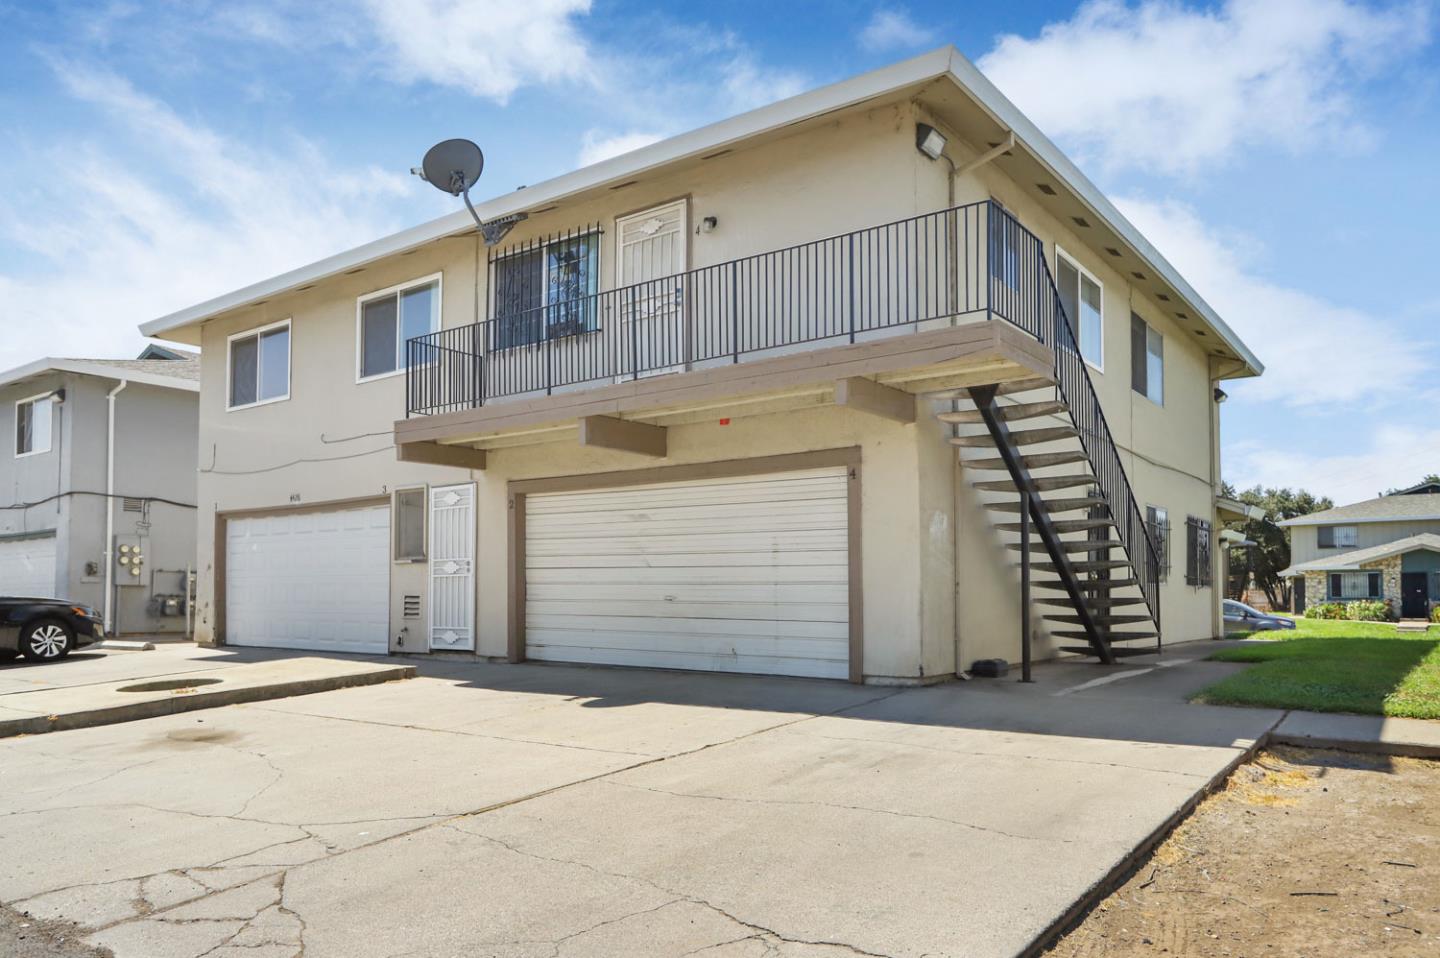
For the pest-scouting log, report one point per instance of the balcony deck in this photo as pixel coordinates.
(906, 361)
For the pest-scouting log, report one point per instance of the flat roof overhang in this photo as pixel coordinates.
(879, 377)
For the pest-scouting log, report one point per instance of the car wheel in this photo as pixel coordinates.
(46, 640)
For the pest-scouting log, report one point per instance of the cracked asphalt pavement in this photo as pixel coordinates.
(552, 812)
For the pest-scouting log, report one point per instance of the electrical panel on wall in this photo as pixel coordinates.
(129, 561)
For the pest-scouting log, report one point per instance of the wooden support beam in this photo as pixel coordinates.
(436, 454)
(607, 432)
(869, 396)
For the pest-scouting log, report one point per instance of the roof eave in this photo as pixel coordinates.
(49, 364)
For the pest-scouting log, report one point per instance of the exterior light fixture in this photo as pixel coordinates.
(708, 224)
(1221, 395)
(929, 140)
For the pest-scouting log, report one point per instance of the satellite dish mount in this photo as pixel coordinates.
(454, 166)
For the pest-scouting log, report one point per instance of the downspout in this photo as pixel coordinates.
(110, 505)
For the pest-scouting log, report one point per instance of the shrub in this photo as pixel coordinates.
(1435, 613)
(1326, 610)
(1368, 610)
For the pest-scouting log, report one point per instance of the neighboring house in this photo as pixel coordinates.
(1384, 548)
(97, 487)
(701, 408)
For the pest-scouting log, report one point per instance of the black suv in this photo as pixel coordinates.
(44, 630)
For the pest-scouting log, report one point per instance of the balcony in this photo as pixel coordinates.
(754, 324)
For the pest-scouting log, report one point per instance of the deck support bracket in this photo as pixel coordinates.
(867, 395)
(607, 432)
(439, 454)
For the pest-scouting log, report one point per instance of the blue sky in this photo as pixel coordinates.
(1280, 152)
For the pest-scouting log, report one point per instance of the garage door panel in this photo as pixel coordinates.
(744, 574)
(313, 580)
(27, 567)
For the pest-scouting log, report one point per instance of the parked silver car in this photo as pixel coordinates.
(1240, 617)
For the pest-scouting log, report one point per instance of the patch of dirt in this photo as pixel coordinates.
(1304, 853)
(24, 937)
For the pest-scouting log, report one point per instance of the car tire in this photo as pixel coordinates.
(7, 654)
(46, 640)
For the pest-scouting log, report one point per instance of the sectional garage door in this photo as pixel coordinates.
(309, 580)
(745, 574)
(27, 567)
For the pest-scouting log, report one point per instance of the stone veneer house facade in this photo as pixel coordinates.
(1385, 548)
(762, 397)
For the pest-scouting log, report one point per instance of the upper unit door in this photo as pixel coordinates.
(309, 580)
(452, 567)
(27, 567)
(651, 263)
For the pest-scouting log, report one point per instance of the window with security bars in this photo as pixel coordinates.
(1197, 553)
(1354, 585)
(546, 288)
(1157, 523)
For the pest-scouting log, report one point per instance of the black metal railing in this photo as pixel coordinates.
(970, 262)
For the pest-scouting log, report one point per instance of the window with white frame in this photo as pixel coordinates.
(1338, 537)
(259, 366)
(1354, 585)
(1147, 361)
(546, 288)
(390, 318)
(32, 424)
(1083, 299)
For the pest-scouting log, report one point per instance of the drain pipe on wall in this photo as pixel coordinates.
(110, 505)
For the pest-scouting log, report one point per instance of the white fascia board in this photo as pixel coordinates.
(706, 139)
(1343, 521)
(41, 366)
(968, 77)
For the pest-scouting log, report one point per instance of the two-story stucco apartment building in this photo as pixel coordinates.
(1384, 548)
(763, 397)
(97, 489)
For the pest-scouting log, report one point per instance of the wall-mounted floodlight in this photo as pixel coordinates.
(454, 166)
(929, 140)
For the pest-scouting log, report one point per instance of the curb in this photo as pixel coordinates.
(204, 699)
(123, 645)
(1366, 747)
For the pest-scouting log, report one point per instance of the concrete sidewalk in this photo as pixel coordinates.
(44, 701)
(1416, 738)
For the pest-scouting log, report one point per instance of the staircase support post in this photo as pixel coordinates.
(1025, 586)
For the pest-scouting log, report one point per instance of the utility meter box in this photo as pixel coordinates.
(129, 561)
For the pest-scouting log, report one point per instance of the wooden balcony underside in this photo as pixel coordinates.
(978, 353)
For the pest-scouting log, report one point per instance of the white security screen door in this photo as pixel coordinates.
(452, 567)
(651, 258)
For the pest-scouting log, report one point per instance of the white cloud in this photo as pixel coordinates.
(596, 146)
(893, 30)
(1170, 88)
(1392, 456)
(181, 213)
(1303, 339)
(489, 48)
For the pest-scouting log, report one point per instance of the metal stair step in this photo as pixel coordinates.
(1012, 413)
(1042, 483)
(1020, 437)
(1098, 565)
(1062, 525)
(1098, 585)
(1118, 653)
(1035, 460)
(1024, 386)
(1101, 618)
(1094, 601)
(1068, 545)
(1052, 506)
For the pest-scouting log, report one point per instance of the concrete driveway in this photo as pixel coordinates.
(536, 811)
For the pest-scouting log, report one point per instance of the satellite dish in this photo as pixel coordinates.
(453, 166)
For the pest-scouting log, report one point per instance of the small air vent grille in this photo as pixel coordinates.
(132, 505)
(1081, 221)
(412, 607)
(1112, 251)
(1045, 188)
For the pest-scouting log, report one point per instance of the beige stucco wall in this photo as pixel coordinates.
(929, 549)
(1304, 540)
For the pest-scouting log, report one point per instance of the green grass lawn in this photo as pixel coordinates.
(1328, 666)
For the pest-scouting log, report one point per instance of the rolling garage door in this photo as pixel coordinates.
(27, 567)
(309, 580)
(746, 574)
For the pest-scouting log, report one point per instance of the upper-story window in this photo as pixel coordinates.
(259, 365)
(32, 425)
(1084, 300)
(389, 318)
(1147, 360)
(1338, 537)
(546, 288)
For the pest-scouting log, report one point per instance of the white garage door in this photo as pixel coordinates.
(747, 574)
(309, 580)
(27, 567)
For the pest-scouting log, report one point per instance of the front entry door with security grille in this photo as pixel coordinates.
(651, 265)
(452, 567)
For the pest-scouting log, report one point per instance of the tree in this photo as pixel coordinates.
(1271, 552)
(1430, 479)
